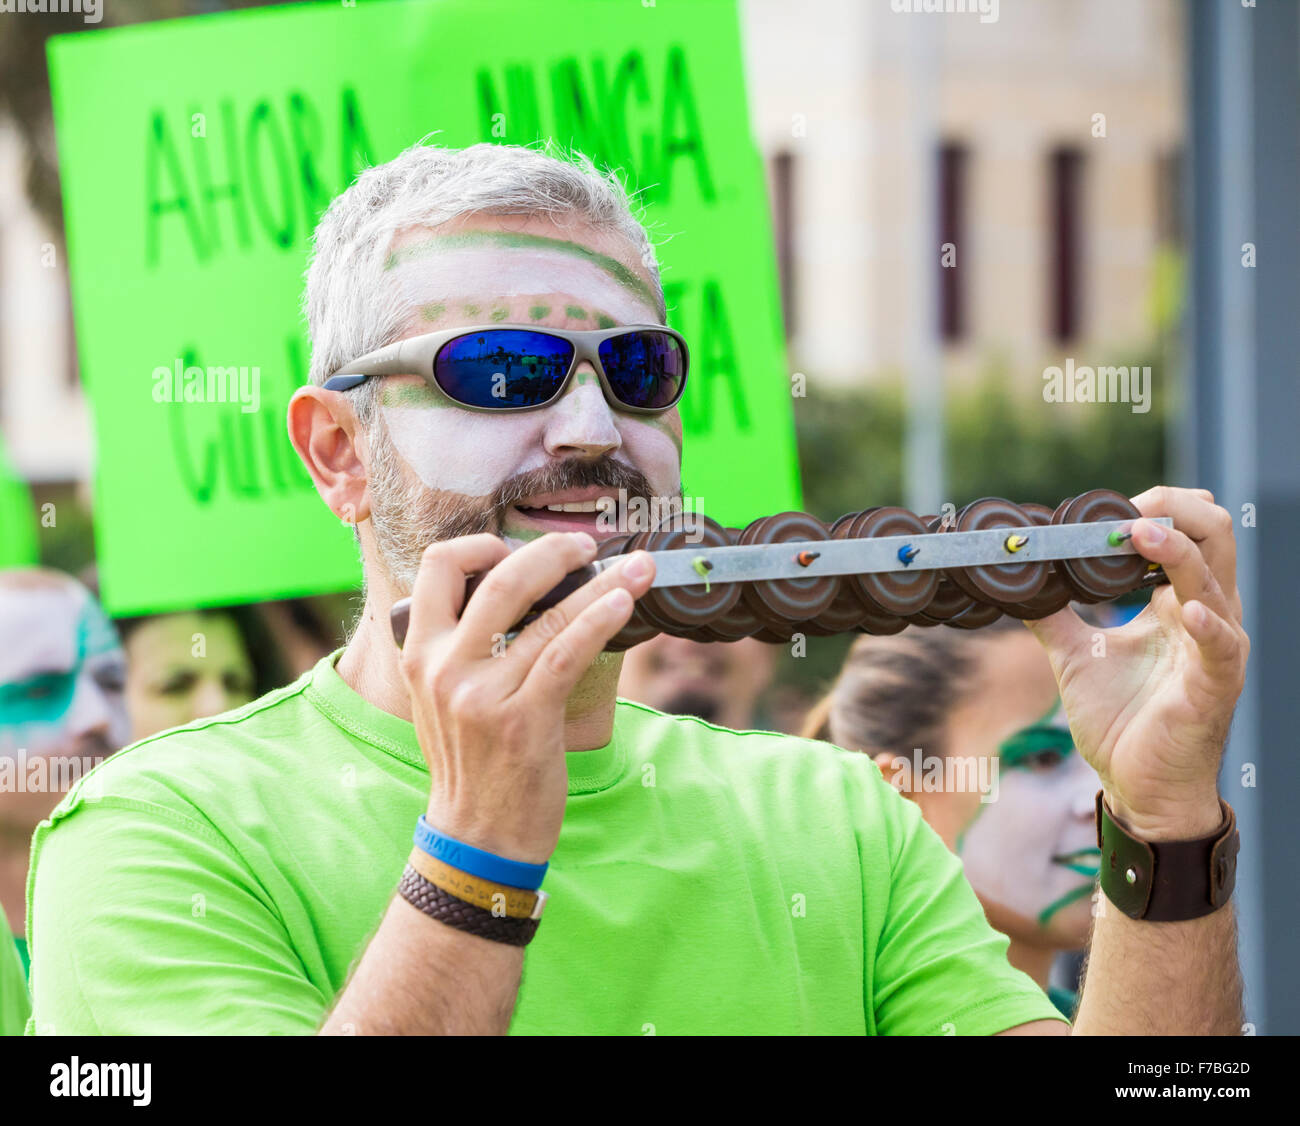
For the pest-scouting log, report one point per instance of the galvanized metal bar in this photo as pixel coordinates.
(747, 563)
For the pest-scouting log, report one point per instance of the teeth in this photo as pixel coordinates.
(574, 506)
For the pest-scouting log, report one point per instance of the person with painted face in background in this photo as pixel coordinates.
(714, 681)
(969, 725)
(196, 664)
(62, 711)
(490, 366)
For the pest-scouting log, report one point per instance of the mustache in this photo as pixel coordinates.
(605, 473)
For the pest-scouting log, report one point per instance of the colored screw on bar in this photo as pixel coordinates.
(1117, 538)
(806, 557)
(1015, 543)
(702, 567)
(907, 553)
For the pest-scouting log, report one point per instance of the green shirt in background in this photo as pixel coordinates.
(223, 877)
(15, 1005)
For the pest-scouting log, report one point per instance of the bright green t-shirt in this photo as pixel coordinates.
(223, 877)
(15, 1005)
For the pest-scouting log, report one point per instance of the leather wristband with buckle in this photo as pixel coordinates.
(1167, 881)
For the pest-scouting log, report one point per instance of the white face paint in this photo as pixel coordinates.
(62, 673)
(433, 279)
(472, 453)
(1033, 851)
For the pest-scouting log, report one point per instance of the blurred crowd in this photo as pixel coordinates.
(967, 724)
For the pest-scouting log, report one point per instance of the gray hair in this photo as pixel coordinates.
(351, 304)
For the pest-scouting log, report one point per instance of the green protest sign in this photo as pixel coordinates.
(17, 519)
(196, 157)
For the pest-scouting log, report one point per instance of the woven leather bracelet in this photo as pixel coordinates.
(446, 908)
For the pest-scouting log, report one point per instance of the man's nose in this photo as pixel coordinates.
(582, 421)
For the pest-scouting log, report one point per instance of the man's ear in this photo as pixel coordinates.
(323, 429)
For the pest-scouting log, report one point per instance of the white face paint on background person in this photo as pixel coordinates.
(62, 708)
(988, 701)
(439, 470)
(1032, 855)
(62, 670)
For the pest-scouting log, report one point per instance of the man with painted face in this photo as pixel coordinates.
(62, 710)
(700, 881)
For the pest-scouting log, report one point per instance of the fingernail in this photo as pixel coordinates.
(637, 566)
(1155, 533)
(585, 541)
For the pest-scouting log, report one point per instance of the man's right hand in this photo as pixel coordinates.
(489, 715)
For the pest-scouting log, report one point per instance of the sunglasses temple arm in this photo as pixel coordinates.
(400, 615)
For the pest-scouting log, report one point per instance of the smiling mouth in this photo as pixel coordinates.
(598, 516)
(1085, 861)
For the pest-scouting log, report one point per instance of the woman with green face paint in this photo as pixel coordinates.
(194, 664)
(969, 726)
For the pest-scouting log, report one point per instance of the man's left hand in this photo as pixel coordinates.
(1150, 704)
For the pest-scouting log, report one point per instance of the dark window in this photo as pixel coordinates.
(1169, 197)
(783, 229)
(1064, 266)
(952, 233)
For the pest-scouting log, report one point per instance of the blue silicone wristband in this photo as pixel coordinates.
(476, 862)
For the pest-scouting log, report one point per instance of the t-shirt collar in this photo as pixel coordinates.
(589, 771)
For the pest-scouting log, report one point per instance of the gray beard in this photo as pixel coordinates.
(406, 515)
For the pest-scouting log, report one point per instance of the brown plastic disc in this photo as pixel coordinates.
(975, 618)
(1056, 594)
(847, 608)
(637, 629)
(893, 592)
(683, 608)
(776, 602)
(1016, 582)
(949, 600)
(880, 624)
(737, 623)
(1101, 578)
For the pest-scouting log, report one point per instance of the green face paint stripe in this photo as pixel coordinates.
(1082, 869)
(433, 310)
(515, 240)
(603, 321)
(1034, 740)
(1065, 901)
(421, 395)
(499, 314)
(537, 312)
(473, 310)
(576, 312)
(525, 534)
(660, 422)
(960, 840)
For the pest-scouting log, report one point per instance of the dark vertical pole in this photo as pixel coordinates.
(1243, 412)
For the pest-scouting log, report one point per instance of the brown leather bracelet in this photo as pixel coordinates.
(1167, 881)
(446, 908)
